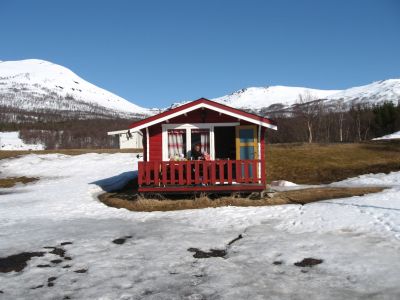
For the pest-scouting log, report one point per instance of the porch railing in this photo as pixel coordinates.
(200, 172)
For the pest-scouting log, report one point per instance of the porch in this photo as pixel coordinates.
(202, 176)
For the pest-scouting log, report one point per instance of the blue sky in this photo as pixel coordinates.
(157, 52)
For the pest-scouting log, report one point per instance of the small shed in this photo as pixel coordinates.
(128, 139)
(232, 142)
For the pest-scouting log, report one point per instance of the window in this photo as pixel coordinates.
(176, 143)
(201, 137)
(178, 140)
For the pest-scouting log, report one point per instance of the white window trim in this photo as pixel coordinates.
(188, 127)
(147, 144)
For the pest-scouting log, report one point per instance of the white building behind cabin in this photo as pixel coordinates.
(128, 139)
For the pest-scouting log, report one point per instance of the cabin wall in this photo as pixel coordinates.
(155, 143)
(197, 116)
(155, 133)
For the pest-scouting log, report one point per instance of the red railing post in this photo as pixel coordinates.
(238, 171)
(230, 163)
(197, 172)
(180, 172)
(188, 172)
(205, 172)
(255, 171)
(221, 165)
(213, 171)
(263, 172)
(164, 173)
(140, 173)
(246, 171)
(156, 167)
(148, 173)
(172, 172)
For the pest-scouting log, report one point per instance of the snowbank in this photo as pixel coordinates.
(392, 136)
(386, 180)
(11, 141)
(283, 183)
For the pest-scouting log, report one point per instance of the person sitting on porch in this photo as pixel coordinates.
(196, 153)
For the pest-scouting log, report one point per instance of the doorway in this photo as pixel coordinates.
(224, 140)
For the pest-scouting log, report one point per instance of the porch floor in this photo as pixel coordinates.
(203, 188)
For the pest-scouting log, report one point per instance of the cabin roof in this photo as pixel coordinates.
(203, 103)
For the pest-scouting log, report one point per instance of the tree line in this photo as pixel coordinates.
(313, 121)
(309, 120)
(63, 129)
(74, 134)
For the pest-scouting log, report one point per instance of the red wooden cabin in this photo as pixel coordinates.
(233, 140)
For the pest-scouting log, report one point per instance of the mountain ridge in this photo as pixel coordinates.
(272, 98)
(39, 85)
(36, 84)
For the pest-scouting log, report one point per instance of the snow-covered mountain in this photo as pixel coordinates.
(40, 85)
(376, 92)
(275, 98)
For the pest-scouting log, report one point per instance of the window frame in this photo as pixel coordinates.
(188, 127)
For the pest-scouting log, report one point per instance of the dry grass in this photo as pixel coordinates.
(304, 196)
(9, 154)
(11, 181)
(325, 163)
(301, 163)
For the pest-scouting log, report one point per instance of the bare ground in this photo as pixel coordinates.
(304, 196)
(11, 181)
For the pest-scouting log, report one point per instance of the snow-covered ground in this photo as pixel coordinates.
(392, 136)
(358, 240)
(11, 141)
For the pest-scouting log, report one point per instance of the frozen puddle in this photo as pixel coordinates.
(335, 249)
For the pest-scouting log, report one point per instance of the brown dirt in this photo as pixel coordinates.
(207, 254)
(121, 241)
(136, 203)
(308, 262)
(17, 262)
(11, 181)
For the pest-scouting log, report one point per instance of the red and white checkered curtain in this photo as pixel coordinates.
(175, 143)
(204, 139)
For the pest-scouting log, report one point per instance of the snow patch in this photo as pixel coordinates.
(12, 141)
(282, 183)
(392, 136)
